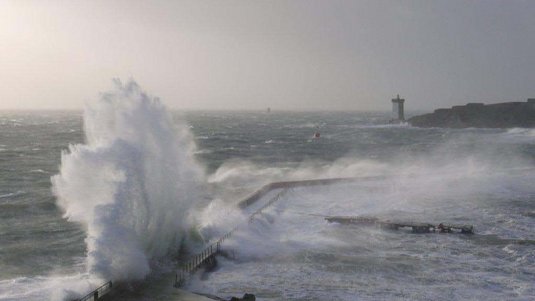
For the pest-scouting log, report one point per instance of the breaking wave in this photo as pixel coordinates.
(131, 184)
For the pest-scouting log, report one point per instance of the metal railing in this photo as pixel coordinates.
(208, 254)
(193, 263)
(255, 196)
(98, 292)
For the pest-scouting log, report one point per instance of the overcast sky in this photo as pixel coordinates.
(297, 55)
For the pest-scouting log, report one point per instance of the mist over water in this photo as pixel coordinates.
(128, 193)
(291, 252)
(482, 177)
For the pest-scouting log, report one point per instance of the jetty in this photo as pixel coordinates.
(98, 293)
(274, 191)
(416, 227)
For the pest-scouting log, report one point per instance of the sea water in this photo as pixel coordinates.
(121, 194)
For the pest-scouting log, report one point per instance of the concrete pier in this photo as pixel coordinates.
(416, 227)
(207, 256)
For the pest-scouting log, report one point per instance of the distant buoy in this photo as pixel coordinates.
(316, 134)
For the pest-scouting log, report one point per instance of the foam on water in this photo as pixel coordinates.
(12, 194)
(133, 186)
(53, 287)
(291, 252)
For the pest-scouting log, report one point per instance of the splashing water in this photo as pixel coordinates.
(131, 184)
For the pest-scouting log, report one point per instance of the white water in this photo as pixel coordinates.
(131, 184)
(291, 252)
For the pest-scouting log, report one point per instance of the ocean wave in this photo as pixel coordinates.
(59, 287)
(305, 125)
(203, 151)
(519, 135)
(131, 185)
(12, 194)
(521, 132)
(291, 240)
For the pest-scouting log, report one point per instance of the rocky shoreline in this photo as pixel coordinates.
(479, 115)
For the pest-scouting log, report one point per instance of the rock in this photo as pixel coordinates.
(479, 115)
(246, 297)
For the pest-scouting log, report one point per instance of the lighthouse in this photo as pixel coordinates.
(398, 114)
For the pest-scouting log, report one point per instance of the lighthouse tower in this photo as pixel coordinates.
(398, 115)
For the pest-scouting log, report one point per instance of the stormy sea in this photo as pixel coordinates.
(126, 188)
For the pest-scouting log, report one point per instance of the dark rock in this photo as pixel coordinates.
(246, 297)
(478, 115)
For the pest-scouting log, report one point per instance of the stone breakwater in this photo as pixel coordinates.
(479, 115)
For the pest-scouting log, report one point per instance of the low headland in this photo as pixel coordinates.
(479, 115)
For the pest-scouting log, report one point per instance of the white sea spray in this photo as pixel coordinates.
(131, 184)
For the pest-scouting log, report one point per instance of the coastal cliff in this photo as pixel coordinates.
(479, 115)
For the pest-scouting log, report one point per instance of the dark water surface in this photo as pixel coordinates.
(483, 177)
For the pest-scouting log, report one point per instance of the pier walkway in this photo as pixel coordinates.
(416, 227)
(98, 292)
(207, 256)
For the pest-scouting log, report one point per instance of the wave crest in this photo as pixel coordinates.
(132, 183)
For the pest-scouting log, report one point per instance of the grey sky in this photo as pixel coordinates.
(298, 55)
